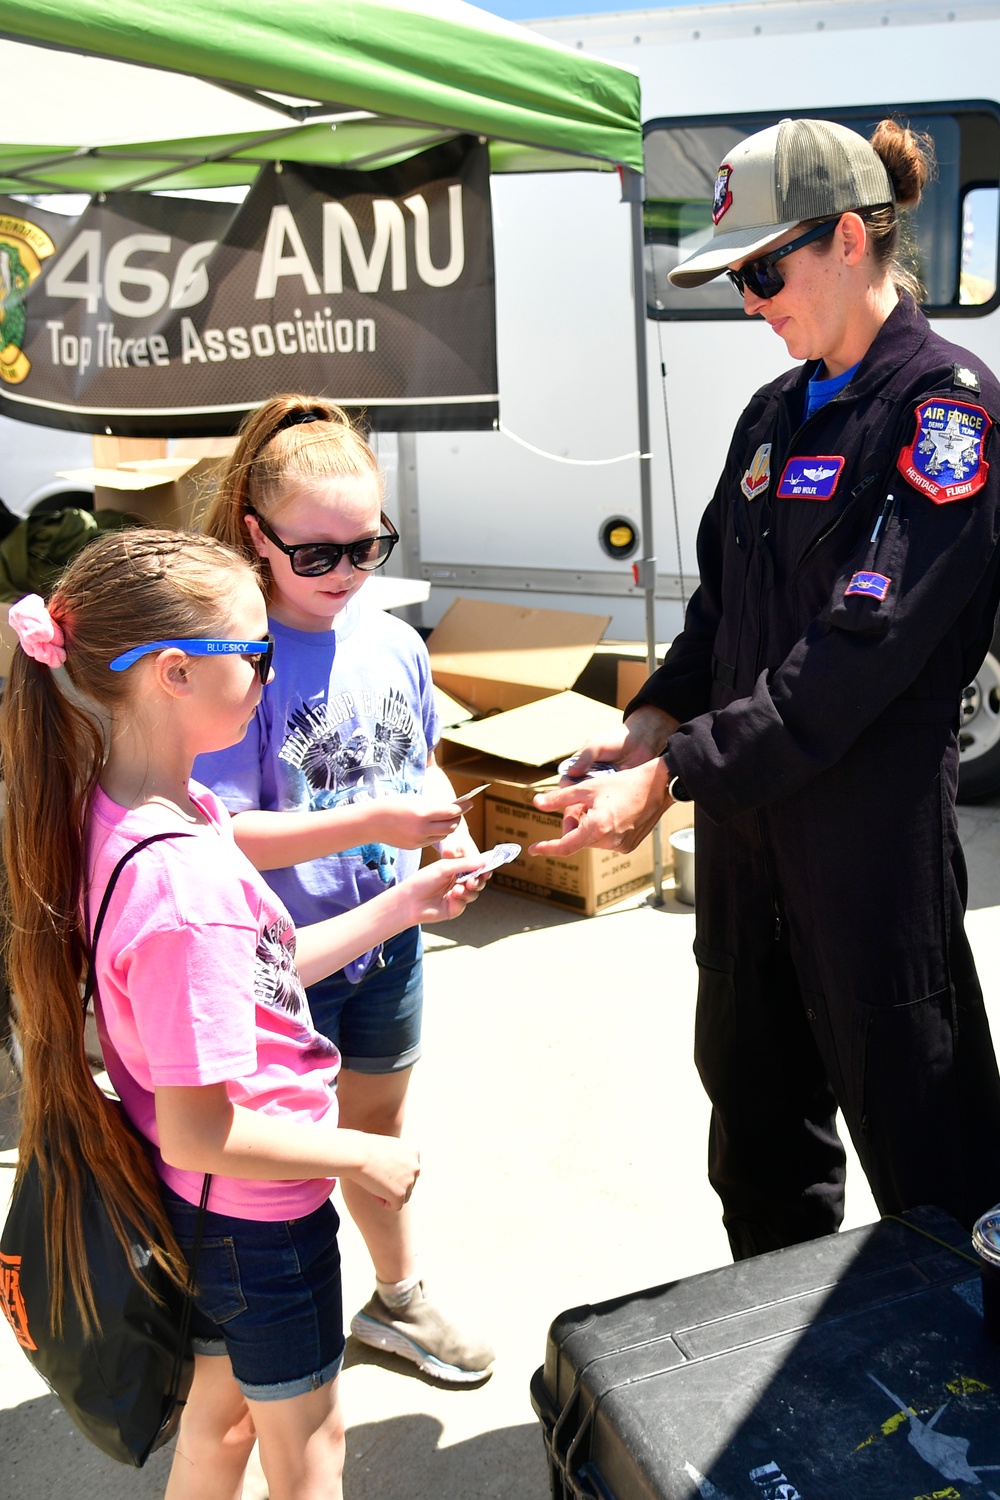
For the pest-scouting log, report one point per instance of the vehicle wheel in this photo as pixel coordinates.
(979, 732)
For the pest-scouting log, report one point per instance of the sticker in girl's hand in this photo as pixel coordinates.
(500, 854)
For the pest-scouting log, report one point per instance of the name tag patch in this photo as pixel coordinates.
(875, 585)
(945, 459)
(811, 478)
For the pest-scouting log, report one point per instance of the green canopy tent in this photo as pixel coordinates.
(138, 95)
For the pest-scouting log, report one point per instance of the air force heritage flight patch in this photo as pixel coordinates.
(945, 459)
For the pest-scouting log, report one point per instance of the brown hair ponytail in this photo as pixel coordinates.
(125, 588)
(290, 439)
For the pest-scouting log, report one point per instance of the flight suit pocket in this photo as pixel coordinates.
(866, 593)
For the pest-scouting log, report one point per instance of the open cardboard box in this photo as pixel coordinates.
(135, 475)
(514, 666)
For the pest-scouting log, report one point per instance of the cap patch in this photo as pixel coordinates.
(875, 585)
(810, 478)
(722, 198)
(758, 476)
(945, 459)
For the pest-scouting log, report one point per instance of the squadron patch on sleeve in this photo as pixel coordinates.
(722, 198)
(945, 459)
(811, 478)
(875, 585)
(758, 476)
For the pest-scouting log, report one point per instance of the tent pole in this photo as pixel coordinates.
(632, 194)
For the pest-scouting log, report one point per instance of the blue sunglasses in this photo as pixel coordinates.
(263, 651)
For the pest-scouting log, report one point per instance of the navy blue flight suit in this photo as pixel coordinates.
(818, 680)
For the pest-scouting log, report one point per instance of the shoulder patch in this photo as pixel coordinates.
(811, 478)
(874, 585)
(965, 379)
(757, 478)
(945, 458)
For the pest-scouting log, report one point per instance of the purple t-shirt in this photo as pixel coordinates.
(349, 717)
(197, 983)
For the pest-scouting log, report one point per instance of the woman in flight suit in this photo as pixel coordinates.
(850, 577)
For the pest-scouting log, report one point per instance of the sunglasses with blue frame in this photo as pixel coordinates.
(261, 651)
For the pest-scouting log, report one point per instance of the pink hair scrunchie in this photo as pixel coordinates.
(40, 636)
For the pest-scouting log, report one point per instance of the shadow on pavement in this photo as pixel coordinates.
(400, 1458)
(45, 1456)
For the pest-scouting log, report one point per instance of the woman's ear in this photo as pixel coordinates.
(854, 237)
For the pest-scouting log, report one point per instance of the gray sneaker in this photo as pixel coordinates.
(421, 1333)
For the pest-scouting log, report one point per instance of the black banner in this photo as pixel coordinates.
(151, 316)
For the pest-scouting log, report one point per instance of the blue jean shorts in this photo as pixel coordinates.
(268, 1295)
(376, 1023)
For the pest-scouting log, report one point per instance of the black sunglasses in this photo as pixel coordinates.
(312, 559)
(762, 276)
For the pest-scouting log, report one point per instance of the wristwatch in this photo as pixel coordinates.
(675, 786)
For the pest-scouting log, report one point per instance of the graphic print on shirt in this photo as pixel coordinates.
(355, 747)
(277, 985)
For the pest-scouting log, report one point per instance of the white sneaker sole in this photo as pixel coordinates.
(377, 1336)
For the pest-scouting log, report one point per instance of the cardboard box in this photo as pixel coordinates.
(134, 475)
(495, 657)
(515, 666)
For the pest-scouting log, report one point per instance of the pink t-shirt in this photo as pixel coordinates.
(198, 985)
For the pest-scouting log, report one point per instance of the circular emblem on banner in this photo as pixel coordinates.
(23, 246)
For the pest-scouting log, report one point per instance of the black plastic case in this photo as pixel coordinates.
(853, 1367)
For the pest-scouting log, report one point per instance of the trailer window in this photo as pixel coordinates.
(954, 232)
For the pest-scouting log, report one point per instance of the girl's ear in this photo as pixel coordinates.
(256, 536)
(171, 670)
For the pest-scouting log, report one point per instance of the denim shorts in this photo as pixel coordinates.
(268, 1295)
(376, 1023)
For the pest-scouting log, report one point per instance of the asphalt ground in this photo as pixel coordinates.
(562, 1128)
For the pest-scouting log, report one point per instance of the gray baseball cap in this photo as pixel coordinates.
(778, 178)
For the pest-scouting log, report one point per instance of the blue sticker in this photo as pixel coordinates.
(945, 459)
(875, 585)
(810, 478)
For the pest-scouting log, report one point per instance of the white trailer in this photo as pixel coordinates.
(484, 514)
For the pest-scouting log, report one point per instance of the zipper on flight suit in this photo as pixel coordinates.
(855, 495)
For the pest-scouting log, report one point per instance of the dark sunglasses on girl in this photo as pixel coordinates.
(261, 652)
(312, 559)
(761, 275)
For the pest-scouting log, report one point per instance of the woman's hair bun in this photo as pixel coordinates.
(908, 158)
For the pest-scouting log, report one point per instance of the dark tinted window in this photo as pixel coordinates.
(954, 230)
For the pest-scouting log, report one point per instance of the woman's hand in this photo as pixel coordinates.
(389, 1170)
(613, 812)
(642, 737)
(607, 812)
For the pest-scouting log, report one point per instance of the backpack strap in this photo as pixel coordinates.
(154, 838)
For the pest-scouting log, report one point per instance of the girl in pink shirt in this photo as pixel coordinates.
(153, 650)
